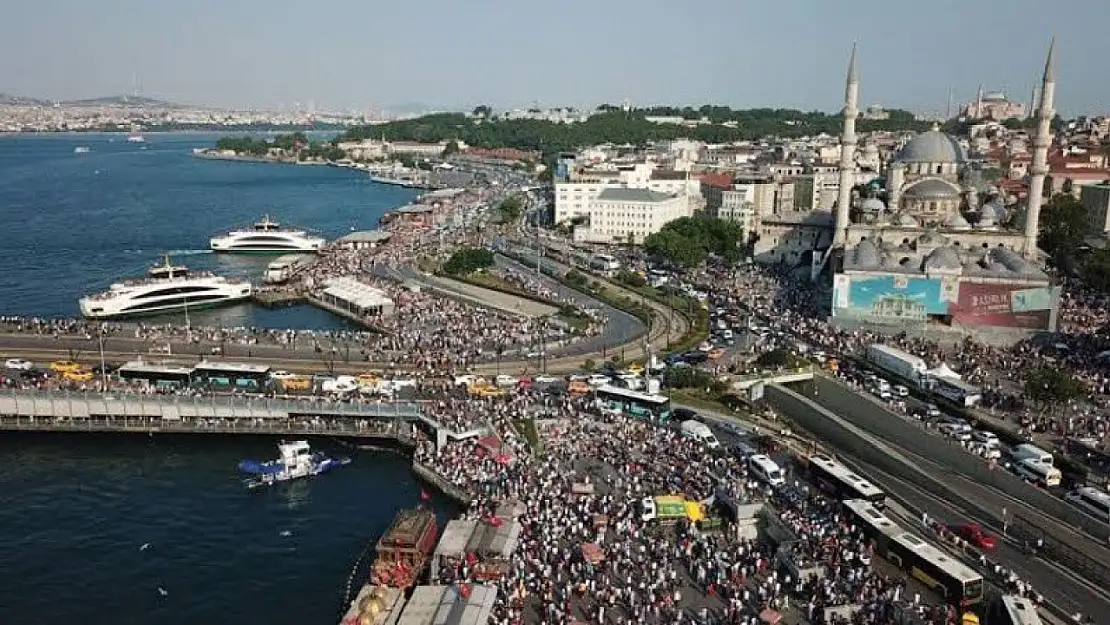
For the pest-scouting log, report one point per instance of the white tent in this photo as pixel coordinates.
(944, 371)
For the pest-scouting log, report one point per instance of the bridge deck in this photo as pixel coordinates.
(397, 430)
(82, 405)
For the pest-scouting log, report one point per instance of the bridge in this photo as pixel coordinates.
(52, 405)
(744, 382)
(394, 430)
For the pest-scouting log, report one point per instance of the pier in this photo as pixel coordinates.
(276, 297)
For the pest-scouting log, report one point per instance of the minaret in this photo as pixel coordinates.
(847, 152)
(1039, 167)
(978, 105)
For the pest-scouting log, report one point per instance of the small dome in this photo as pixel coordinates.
(992, 211)
(956, 221)
(1009, 259)
(932, 189)
(906, 220)
(890, 261)
(932, 238)
(872, 205)
(943, 258)
(932, 147)
(866, 254)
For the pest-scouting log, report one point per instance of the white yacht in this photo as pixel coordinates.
(165, 287)
(267, 237)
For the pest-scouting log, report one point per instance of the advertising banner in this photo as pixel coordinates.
(892, 296)
(1005, 305)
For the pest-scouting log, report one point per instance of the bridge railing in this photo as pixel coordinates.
(252, 406)
(355, 428)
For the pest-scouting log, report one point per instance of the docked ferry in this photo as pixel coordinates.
(267, 237)
(166, 287)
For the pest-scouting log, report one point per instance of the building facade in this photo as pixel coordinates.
(628, 215)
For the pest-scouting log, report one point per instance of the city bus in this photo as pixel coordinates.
(1012, 610)
(1092, 501)
(842, 482)
(953, 580)
(226, 375)
(958, 392)
(604, 263)
(633, 403)
(1038, 473)
(156, 374)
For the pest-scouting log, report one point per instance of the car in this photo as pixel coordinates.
(901, 391)
(547, 379)
(974, 534)
(506, 380)
(931, 411)
(598, 379)
(18, 364)
(282, 375)
(986, 438)
(62, 366)
(684, 414)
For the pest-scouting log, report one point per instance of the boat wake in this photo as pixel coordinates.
(188, 252)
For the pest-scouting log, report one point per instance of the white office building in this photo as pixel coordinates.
(572, 199)
(625, 215)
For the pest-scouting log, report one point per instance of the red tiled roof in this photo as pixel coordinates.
(721, 181)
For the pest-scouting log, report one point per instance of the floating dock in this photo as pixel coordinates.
(276, 297)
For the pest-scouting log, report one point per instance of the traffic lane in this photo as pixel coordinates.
(1066, 534)
(1057, 585)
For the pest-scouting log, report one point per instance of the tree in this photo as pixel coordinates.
(778, 358)
(468, 260)
(1064, 225)
(1095, 270)
(451, 148)
(483, 111)
(510, 208)
(1052, 385)
(688, 241)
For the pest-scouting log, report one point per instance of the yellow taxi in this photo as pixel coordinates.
(64, 366)
(78, 375)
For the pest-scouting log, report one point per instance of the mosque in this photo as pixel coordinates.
(933, 242)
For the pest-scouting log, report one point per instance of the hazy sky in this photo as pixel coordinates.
(512, 53)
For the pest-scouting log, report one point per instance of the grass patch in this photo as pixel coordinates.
(526, 428)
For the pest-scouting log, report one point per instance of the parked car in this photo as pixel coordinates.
(18, 364)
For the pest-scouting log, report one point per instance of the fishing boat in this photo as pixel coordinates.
(296, 460)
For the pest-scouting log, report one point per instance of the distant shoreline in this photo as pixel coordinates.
(246, 158)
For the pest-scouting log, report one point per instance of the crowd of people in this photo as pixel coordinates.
(588, 554)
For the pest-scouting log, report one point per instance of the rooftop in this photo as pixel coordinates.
(365, 236)
(621, 194)
(350, 290)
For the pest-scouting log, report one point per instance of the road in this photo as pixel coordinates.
(1058, 585)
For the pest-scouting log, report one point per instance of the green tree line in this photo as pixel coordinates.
(612, 125)
(688, 241)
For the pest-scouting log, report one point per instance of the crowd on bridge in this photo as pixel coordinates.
(587, 553)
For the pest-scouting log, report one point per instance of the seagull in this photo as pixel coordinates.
(162, 591)
(286, 533)
(144, 547)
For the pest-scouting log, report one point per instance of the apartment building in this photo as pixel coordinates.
(573, 197)
(621, 215)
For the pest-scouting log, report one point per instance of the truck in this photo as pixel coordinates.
(670, 509)
(699, 432)
(897, 362)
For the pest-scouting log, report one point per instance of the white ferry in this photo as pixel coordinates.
(136, 134)
(284, 267)
(165, 287)
(267, 237)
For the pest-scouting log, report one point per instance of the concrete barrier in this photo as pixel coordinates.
(876, 419)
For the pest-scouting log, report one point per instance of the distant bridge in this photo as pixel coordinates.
(744, 382)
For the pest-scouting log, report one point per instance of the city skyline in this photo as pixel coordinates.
(250, 55)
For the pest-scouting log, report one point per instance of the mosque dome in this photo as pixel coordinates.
(906, 220)
(1007, 258)
(956, 221)
(932, 238)
(932, 147)
(932, 189)
(943, 258)
(866, 254)
(872, 205)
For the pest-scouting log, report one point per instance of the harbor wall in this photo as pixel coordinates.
(427, 474)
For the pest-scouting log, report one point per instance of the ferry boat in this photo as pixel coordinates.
(165, 287)
(285, 267)
(267, 237)
(404, 551)
(136, 135)
(296, 460)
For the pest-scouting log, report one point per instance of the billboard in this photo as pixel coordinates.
(892, 296)
(1005, 305)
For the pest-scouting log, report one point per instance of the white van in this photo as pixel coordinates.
(699, 432)
(766, 470)
(1025, 451)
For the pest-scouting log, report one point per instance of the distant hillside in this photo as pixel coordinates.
(123, 100)
(15, 100)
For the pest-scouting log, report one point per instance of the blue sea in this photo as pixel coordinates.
(75, 223)
(75, 509)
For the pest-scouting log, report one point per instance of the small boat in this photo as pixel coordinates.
(81, 149)
(297, 460)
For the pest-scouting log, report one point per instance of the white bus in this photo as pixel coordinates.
(1012, 610)
(1091, 500)
(1025, 451)
(604, 262)
(957, 391)
(766, 469)
(842, 482)
(1038, 473)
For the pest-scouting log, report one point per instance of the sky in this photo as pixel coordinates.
(454, 54)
